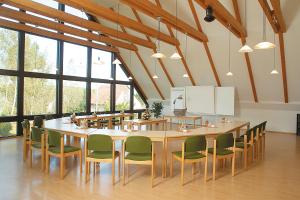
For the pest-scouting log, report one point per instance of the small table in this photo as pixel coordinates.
(183, 118)
(140, 122)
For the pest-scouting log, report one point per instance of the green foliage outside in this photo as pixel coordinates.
(123, 106)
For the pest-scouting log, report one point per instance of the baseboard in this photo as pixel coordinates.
(280, 132)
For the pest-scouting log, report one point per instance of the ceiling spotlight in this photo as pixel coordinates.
(229, 74)
(209, 14)
(185, 75)
(274, 71)
(155, 77)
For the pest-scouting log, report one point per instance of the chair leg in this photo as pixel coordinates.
(193, 168)
(30, 156)
(24, 149)
(214, 168)
(182, 172)
(171, 166)
(86, 171)
(123, 174)
(62, 167)
(47, 163)
(119, 167)
(233, 165)
(205, 169)
(80, 161)
(245, 158)
(113, 171)
(43, 158)
(94, 165)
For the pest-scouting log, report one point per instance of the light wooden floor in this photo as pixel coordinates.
(277, 177)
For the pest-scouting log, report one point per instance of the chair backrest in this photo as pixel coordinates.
(248, 133)
(195, 143)
(225, 141)
(99, 142)
(36, 134)
(38, 121)
(25, 124)
(254, 131)
(138, 144)
(260, 127)
(264, 125)
(54, 138)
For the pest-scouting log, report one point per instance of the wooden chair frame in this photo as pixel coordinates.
(192, 161)
(26, 142)
(42, 150)
(151, 162)
(247, 149)
(61, 156)
(88, 160)
(223, 157)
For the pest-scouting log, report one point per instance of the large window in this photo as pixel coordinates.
(8, 95)
(8, 49)
(138, 102)
(74, 96)
(100, 97)
(8, 129)
(40, 54)
(39, 96)
(101, 64)
(120, 74)
(122, 97)
(75, 60)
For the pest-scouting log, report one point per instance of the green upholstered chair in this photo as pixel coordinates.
(140, 150)
(224, 147)
(37, 142)
(55, 147)
(101, 148)
(193, 150)
(26, 137)
(38, 121)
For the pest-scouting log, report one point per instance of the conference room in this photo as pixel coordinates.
(149, 99)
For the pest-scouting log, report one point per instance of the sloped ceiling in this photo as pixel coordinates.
(269, 87)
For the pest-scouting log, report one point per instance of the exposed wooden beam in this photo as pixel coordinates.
(268, 12)
(131, 74)
(96, 9)
(155, 11)
(283, 67)
(179, 50)
(224, 17)
(154, 50)
(247, 58)
(279, 15)
(27, 18)
(49, 34)
(207, 50)
(72, 19)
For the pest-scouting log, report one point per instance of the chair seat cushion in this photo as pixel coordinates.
(103, 154)
(139, 156)
(189, 155)
(240, 145)
(67, 149)
(36, 145)
(220, 152)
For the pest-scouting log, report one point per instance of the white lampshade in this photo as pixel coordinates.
(274, 71)
(158, 55)
(246, 49)
(185, 75)
(155, 76)
(175, 56)
(229, 74)
(130, 78)
(264, 45)
(116, 62)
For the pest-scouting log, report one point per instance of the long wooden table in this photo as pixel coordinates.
(108, 117)
(64, 126)
(140, 122)
(194, 118)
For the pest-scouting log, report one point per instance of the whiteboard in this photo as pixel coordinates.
(224, 97)
(200, 99)
(175, 93)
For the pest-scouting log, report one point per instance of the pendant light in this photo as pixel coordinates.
(274, 71)
(130, 78)
(229, 73)
(264, 44)
(117, 61)
(158, 54)
(155, 76)
(185, 55)
(246, 48)
(175, 55)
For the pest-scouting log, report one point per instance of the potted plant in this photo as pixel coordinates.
(157, 109)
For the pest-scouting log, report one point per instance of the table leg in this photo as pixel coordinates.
(165, 158)
(110, 123)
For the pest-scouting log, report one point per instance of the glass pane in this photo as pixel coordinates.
(138, 101)
(101, 64)
(122, 97)
(100, 97)
(75, 11)
(120, 74)
(74, 96)
(39, 96)
(8, 49)
(8, 95)
(8, 129)
(75, 60)
(40, 54)
(49, 3)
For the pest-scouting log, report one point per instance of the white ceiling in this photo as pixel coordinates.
(269, 87)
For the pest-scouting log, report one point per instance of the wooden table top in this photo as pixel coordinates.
(142, 121)
(183, 117)
(111, 115)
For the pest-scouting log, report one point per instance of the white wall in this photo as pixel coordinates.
(281, 117)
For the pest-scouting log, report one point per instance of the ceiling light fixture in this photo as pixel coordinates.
(264, 44)
(274, 71)
(185, 55)
(229, 73)
(130, 78)
(117, 61)
(246, 48)
(209, 17)
(158, 54)
(155, 76)
(175, 55)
